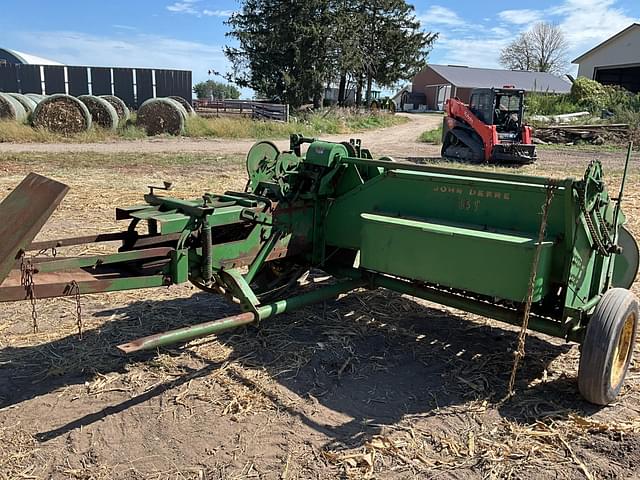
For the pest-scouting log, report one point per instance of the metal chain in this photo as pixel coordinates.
(522, 337)
(54, 252)
(605, 230)
(26, 280)
(74, 289)
(602, 249)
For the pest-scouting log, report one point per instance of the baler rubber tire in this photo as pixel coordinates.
(607, 347)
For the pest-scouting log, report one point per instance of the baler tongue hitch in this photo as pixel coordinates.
(466, 239)
(22, 215)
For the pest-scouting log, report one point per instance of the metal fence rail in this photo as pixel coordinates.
(254, 109)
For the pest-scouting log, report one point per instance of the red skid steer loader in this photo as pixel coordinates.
(488, 130)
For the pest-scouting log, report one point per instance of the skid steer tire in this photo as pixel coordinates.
(608, 346)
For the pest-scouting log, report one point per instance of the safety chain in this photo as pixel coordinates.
(54, 252)
(26, 280)
(522, 337)
(74, 289)
(597, 237)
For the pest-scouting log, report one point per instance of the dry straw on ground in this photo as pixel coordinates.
(376, 385)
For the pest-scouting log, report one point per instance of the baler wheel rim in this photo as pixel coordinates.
(607, 347)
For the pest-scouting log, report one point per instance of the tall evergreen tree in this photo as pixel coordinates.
(290, 49)
(395, 45)
(283, 48)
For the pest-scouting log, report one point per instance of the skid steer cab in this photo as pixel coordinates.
(489, 129)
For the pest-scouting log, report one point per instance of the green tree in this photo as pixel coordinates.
(290, 49)
(216, 90)
(282, 48)
(395, 47)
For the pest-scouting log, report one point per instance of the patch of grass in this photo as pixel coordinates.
(583, 147)
(312, 125)
(21, 133)
(328, 122)
(550, 104)
(432, 136)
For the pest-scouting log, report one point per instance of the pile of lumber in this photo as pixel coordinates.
(599, 134)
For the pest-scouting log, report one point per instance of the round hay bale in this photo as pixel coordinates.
(121, 108)
(28, 104)
(162, 115)
(36, 97)
(178, 105)
(185, 104)
(62, 114)
(102, 113)
(11, 109)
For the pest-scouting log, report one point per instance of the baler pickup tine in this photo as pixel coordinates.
(22, 215)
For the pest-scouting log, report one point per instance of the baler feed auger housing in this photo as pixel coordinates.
(461, 238)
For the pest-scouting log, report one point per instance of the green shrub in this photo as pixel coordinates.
(549, 104)
(588, 95)
(595, 97)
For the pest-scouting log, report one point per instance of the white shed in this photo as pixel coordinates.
(616, 61)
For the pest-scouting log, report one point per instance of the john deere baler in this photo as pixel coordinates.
(552, 253)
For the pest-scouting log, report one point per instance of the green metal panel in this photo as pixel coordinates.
(171, 222)
(180, 266)
(324, 154)
(494, 263)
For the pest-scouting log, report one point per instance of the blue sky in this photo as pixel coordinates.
(189, 34)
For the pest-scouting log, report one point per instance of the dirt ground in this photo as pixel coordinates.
(373, 385)
(402, 140)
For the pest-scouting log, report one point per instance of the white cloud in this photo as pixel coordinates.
(190, 7)
(521, 17)
(185, 6)
(586, 23)
(124, 27)
(217, 13)
(472, 51)
(438, 15)
(500, 31)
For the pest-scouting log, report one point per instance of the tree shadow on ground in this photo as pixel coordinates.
(372, 356)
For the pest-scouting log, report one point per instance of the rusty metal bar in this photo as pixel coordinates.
(97, 260)
(69, 242)
(59, 284)
(22, 215)
(262, 313)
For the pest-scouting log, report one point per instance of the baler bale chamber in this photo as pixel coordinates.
(553, 252)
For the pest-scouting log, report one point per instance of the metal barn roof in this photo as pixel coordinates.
(469, 77)
(28, 59)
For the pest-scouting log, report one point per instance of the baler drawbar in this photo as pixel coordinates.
(466, 239)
